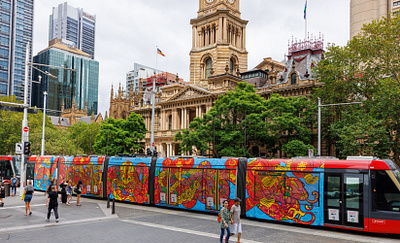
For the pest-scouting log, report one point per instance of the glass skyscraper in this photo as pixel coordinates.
(74, 26)
(80, 85)
(16, 25)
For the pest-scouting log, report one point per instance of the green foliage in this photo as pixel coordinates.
(56, 142)
(84, 136)
(120, 136)
(241, 118)
(296, 148)
(367, 69)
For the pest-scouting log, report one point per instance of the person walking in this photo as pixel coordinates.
(52, 203)
(52, 183)
(29, 190)
(78, 193)
(235, 216)
(14, 182)
(63, 187)
(69, 192)
(225, 218)
(2, 194)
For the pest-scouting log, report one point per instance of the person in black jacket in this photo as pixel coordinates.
(52, 203)
(63, 187)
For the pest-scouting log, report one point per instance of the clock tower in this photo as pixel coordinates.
(218, 41)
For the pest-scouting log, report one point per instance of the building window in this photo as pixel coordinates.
(208, 68)
(293, 78)
(231, 66)
(170, 122)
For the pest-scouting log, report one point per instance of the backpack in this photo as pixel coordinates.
(219, 217)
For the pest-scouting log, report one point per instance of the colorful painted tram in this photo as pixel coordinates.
(362, 195)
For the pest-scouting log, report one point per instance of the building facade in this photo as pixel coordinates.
(364, 11)
(80, 86)
(139, 72)
(16, 28)
(218, 39)
(179, 104)
(74, 27)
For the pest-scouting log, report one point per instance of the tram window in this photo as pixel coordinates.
(333, 191)
(386, 196)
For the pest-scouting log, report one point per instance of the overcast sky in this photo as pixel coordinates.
(128, 31)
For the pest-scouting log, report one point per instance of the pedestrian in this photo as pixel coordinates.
(235, 216)
(52, 183)
(29, 190)
(14, 182)
(2, 194)
(52, 203)
(78, 191)
(69, 192)
(225, 218)
(63, 187)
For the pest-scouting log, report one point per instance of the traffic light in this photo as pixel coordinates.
(27, 148)
(148, 151)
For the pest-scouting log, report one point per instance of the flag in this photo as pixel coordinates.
(160, 52)
(305, 11)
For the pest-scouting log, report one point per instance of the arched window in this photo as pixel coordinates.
(293, 78)
(170, 122)
(231, 66)
(208, 68)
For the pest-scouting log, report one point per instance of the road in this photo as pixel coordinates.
(93, 222)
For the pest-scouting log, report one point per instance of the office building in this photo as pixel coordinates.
(16, 25)
(364, 11)
(74, 27)
(77, 89)
(139, 72)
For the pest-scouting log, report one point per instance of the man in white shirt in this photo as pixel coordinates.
(235, 216)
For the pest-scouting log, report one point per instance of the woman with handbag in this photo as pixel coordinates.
(29, 190)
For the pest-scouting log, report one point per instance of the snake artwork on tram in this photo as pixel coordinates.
(279, 194)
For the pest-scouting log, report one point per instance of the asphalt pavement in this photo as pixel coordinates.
(94, 222)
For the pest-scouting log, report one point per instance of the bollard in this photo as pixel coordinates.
(113, 207)
(108, 201)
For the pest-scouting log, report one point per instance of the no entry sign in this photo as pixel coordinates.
(26, 129)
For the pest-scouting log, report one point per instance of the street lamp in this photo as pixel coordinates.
(44, 120)
(319, 119)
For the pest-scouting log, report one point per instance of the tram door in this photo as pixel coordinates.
(344, 199)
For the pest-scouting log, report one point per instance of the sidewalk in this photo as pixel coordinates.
(13, 213)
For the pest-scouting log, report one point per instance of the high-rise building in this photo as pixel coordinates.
(139, 72)
(364, 11)
(16, 24)
(79, 87)
(74, 26)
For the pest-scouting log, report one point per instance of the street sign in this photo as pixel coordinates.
(153, 144)
(310, 152)
(18, 148)
(26, 129)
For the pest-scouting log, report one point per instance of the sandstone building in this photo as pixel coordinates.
(218, 61)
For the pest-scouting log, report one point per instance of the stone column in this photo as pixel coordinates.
(194, 36)
(220, 30)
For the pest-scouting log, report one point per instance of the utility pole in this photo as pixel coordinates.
(44, 121)
(153, 99)
(25, 132)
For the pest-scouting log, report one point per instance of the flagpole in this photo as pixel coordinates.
(305, 21)
(153, 93)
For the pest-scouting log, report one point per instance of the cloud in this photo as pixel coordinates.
(128, 31)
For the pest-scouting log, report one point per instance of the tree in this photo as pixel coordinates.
(120, 136)
(296, 148)
(241, 119)
(84, 135)
(56, 141)
(367, 69)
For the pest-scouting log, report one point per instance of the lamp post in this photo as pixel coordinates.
(44, 121)
(319, 119)
(153, 99)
